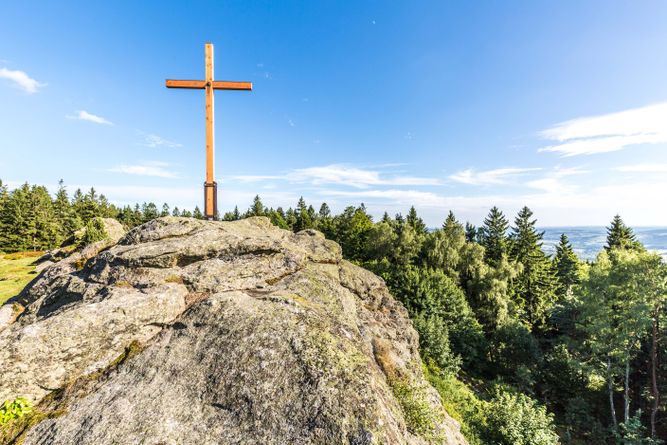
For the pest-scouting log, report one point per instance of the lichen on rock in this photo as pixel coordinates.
(249, 334)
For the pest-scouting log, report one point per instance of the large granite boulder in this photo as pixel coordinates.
(197, 332)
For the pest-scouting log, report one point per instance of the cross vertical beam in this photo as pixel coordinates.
(210, 186)
(209, 85)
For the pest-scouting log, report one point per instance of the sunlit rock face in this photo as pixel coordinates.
(202, 332)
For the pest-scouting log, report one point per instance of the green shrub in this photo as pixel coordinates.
(417, 411)
(516, 419)
(434, 343)
(14, 410)
(94, 231)
(461, 403)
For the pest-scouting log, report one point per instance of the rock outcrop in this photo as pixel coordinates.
(196, 332)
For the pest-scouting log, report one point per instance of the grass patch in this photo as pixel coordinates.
(16, 270)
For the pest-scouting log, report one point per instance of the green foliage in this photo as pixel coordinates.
(431, 295)
(417, 411)
(12, 410)
(434, 343)
(566, 265)
(493, 236)
(490, 308)
(94, 231)
(536, 283)
(632, 432)
(516, 419)
(620, 236)
(462, 403)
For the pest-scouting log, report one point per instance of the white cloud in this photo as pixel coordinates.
(343, 175)
(552, 182)
(489, 177)
(86, 116)
(153, 140)
(643, 168)
(401, 197)
(609, 132)
(146, 169)
(21, 79)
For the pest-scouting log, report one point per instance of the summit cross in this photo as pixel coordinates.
(210, 186)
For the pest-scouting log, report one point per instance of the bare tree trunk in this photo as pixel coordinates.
(655, 393)
(610, 385)
(626, 392)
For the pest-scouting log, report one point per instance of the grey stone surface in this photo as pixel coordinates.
(249, 334)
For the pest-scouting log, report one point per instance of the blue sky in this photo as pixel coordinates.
(561, 106)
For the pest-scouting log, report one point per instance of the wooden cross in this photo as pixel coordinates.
(210, 186)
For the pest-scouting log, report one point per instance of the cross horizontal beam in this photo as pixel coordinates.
(201, 84)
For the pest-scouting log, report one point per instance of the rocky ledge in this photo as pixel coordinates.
(197, 332)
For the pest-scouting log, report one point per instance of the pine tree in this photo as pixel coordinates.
(165, 210)
(493, 236)
(197, 214)
(471, 233)
(176, 212)
(46, 226)
(416, 222)
(257, 208)
(566, 264)
(149, 211)
(621, 236)
(325, 211)
(18, 220)
(535, 284)
(303, 216)
(66, 218)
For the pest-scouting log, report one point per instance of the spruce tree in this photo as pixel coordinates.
(621, 236)
(416, 222)
(46, 226)
(303, 216)
(325, 221)
(257, 208)
(566, 264)
(536, 282)
(493, 236)
(66, 218)
(471, 233)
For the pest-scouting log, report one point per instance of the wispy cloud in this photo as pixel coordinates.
(399, 197)
(86, 116)
(153, 140)
(552, 183)
(21, 79)
(609, 132)
(489, 177)
(343, 175)
(643, 168)
(158, 169)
